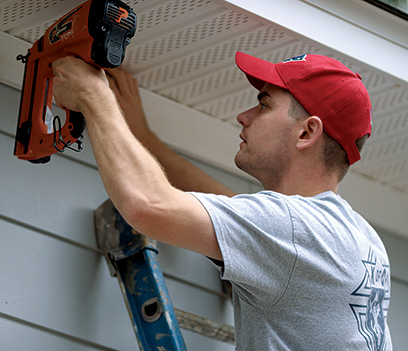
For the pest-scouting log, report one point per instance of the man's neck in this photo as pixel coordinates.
(306, 182)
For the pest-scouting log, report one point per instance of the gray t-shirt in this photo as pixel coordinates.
(307, 273)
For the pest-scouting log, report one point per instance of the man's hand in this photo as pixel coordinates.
(77, 83)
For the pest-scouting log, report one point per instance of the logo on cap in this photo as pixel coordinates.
(296, 59)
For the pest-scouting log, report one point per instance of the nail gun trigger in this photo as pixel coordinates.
(65, 144)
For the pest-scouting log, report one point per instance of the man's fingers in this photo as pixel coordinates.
(112, 83)
(126, 85)
(117, 77)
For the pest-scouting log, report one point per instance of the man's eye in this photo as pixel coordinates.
(263, 107)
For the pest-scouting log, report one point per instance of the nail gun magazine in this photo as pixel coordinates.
(98, 31)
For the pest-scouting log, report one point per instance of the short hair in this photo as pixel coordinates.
(333, 155)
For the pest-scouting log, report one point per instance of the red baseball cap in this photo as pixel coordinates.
(325, 88)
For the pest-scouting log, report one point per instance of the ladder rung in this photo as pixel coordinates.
(205, 326)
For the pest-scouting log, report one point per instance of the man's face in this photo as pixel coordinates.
(268, 137)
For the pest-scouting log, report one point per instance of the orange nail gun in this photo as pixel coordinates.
(97, 31)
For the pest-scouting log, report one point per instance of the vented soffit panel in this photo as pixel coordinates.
(184, 50)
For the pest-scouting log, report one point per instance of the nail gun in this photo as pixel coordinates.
(98, 32)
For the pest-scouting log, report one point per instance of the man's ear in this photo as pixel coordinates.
(310, 130)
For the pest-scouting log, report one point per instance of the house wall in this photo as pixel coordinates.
(56, 292)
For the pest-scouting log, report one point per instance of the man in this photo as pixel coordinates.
(308, 273)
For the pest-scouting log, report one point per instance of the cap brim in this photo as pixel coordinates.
(258, 71)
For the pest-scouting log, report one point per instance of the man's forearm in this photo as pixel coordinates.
(129, 172)
(182, 173)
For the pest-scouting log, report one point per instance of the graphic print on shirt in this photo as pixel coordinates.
(374, 292)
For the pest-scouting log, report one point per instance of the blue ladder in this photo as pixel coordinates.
(131, 257)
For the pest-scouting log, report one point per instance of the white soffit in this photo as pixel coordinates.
(350, 27)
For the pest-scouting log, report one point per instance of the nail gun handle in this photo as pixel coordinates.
(60, 136)
(38, 135)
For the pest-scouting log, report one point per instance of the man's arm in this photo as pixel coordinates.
(181, 173)
(134, 180)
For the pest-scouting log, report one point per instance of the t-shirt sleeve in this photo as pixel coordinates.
(255, 235)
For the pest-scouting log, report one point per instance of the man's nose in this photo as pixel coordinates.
(245, 118)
